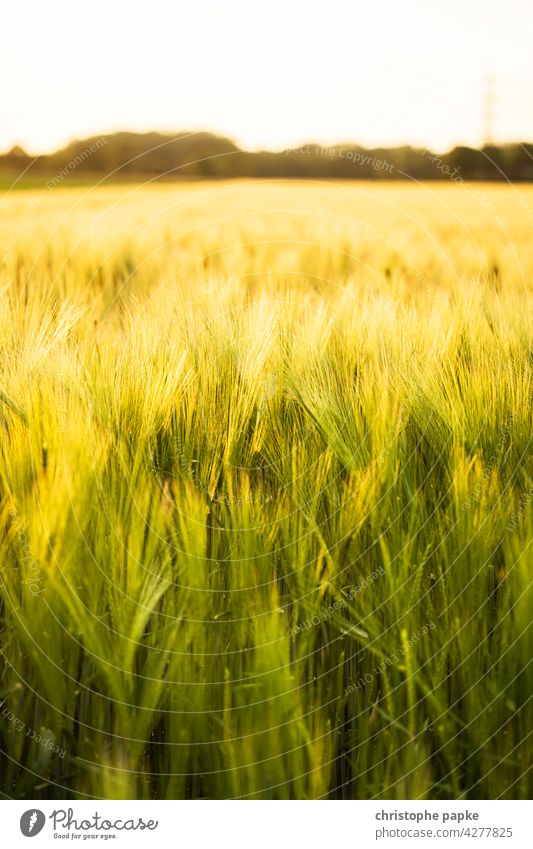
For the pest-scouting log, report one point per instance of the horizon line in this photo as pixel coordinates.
(317, 145)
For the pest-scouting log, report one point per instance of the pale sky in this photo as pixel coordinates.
(268, 74)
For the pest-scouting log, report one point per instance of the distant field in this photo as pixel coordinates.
(266, 491)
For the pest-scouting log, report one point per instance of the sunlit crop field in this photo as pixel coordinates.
(266, 491)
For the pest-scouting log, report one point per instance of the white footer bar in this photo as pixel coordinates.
(267, 825)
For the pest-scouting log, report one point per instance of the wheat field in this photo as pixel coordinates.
(266, 491)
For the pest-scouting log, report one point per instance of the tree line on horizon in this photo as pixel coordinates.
(204, 155)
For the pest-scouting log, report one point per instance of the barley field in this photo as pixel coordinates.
(266, 491)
